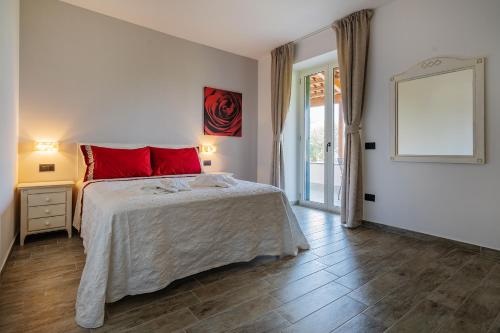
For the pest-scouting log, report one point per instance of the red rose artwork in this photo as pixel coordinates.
(222, 112)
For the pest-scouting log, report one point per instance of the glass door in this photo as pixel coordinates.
(323, 138)
(338, 138)
(315, 104)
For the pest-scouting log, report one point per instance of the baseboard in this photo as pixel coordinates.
(9, 251)
(484, 251)
(317, 207)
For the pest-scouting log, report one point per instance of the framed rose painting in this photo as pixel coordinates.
(222, 112)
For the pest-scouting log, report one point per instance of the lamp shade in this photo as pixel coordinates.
(46, 146)
(207, 148)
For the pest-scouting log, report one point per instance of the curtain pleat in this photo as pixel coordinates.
(281, 88)
(353, 35)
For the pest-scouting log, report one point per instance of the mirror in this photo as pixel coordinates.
(438, 112)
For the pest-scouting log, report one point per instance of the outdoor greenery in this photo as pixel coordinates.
(317, 144)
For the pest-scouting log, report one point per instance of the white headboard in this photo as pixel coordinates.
(80, 161)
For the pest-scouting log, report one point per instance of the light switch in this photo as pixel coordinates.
(46, 167)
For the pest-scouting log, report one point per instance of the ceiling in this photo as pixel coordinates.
(246, 27)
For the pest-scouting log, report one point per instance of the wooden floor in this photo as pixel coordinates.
(361, 280)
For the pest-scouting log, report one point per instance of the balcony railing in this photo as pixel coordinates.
(317, 182)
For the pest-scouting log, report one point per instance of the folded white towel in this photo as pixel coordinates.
(154, 189)
(175, 183)
(171, 185)
(214, 180)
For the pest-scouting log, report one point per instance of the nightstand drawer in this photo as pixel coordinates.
(46, 223)
(46, 211)
(46, 198)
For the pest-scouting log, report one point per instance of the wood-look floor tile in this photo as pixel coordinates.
(294, 273)
(376, 289)
(375, 266)
(360, 276)
(453, 292)
(170, 322)
(329, 317)
(361, 235)
(427, 316)
(317, 243)
(369, 249)
(58, 325)
(310, 229)
(479, 312)
(495, 327)
(312, 301)
(13, 328)
(271, 321)
(392, 307)
(227, 284)
(493, 278)
(27, 274)
(8, 307)
(236, 316)
(301, 287)
(361, 324)
(20, 254)
(332, 247)
(11, 319)
(325, 232)
(148, 312)
(356, 254)
(345, 266)
(131, 302)
(337, 257)
(284, 264)
(219, 304)
(232, 270)
(490, 253)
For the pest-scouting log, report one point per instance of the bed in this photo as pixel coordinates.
(139, 242)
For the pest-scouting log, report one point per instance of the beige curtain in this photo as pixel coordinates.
(353, 34)
(281, 88)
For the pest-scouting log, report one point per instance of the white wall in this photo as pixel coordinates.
(87, 77)
(315, 45)
(449, 200)
(9, 106)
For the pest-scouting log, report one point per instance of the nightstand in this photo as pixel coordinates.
(45, 207)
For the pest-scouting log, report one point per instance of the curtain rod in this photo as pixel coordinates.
(312, 33)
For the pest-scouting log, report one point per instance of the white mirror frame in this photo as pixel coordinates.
(436, 66)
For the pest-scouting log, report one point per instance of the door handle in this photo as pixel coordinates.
(328, 145)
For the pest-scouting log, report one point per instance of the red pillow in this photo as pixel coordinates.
(170, 161)
(109, 163)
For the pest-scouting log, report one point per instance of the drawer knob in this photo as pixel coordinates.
(47, 211)
(47, 199)
(47, 223)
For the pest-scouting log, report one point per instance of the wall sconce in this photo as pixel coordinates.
(46, 146)
(207, 148)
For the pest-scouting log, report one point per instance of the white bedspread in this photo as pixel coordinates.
(139, 242)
